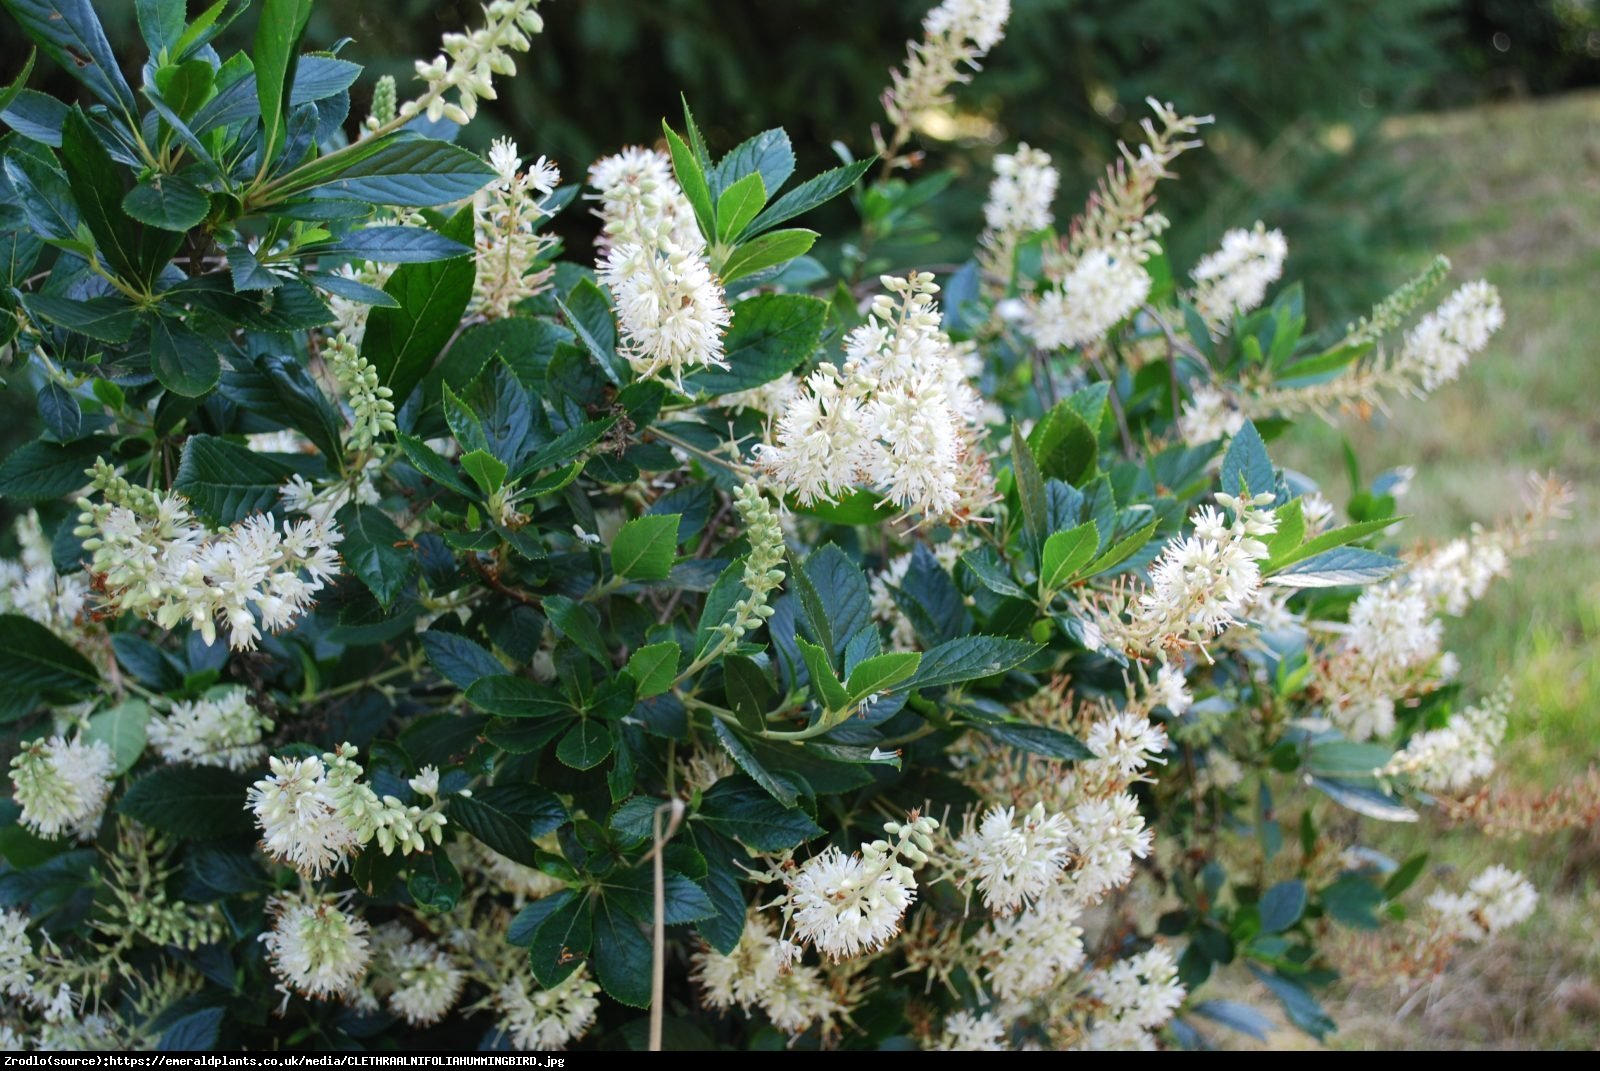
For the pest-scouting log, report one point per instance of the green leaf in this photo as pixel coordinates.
(768, 154)
(1039, 739)
(122, 729)
(49, 470)
(1031, 496)
(1405, 876)
(392, 245)
(1282, 905)
(376, 551)
(682, 899)
(693, 181)
(824, 682)
(738, 807)
(1122, 549)
(861, 507)
(160, 23)
(1302, 1008)
(44, 195)
(104, 319)
(14, 90)
(1064, 445)
(395, 169)
(779, 789)
(750, 692)
(191, 802)
(70, 33)
(562, 939)
(431, 465)
(183, 361)
(738, 205)
(766, 251)
(459, 660)
(486, 470)
(1246, 463)
(1329, 540)
(1337, 568)
(1291, 530)
(653, 667)
(226, 482)
(573, 621)
(881, 673)
(809, 194)
(993, 573)
(300, 403)
(506, 696)
(646, 546)
(1066, 553)
(588, 313)
(435, 883)
(37, 660)
(403, 342)
(586, 745)
(509, 818)
(1354, 901)
(771, 334)
(970, 658)
(128, 249)
(167, 201)
(621, 956)
(195, 1032)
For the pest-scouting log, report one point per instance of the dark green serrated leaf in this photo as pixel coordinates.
(190, 802)
(376, 551)
(37, 660)
(226, 482)
(645, 547)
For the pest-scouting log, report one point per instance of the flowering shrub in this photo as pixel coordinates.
(696, 642)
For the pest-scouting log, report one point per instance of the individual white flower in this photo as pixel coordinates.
(965, 1032)
(1104, 288)
(1013, 863)
(302, 823)
(315, 947)
(62, 786)
(1128, 740)
(1171, 690)
(223, 729)
(1234, 279)
(424, 981)
(540, 1020)
(1443, 341)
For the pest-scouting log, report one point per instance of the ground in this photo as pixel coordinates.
(1516, 189)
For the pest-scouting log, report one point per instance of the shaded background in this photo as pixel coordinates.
(1374, 133)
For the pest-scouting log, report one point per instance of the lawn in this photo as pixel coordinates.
(1516, 190)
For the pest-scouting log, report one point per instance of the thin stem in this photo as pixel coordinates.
(1116, 399)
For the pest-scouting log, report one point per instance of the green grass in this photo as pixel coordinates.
(1517, 190)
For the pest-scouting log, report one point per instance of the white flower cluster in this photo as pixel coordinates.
(1103, 288)
(965, 1032)
(956, 34)
(469, 61)
(152, 558)
(1495, 900)
(846, 905)
(16, 955)
(1138, 996)
(413, 977)
(62, 786)
(1127, 740)
(1234, 279)
(671, 310)
(539, 1020)
(371, 403)
(1026, 955)
(764, 972)
(1392, 638)
(29, 585)
(223, 729)
(1020, 197)
(900, 417)
(1459, 753)
(1443, 341)
(314, 813)
(1201, 582)
(507, 215)
(1012, 864)
(315, 947)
